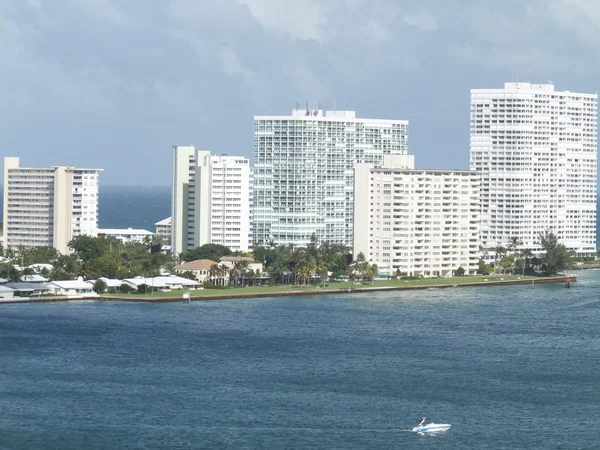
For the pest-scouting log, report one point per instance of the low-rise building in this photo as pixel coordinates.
(163, 232)
(152, 283)
(112, 285)
(71, 287)
(231, 261)
(38, 268)
(126, 235)
(37, 279)
(27, 289)
(6, 292)
(416, 222)
(203, 270)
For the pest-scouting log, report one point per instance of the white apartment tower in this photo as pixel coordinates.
(416, 222)
(210, 200)
(304, 171)
(48, 206)
(536, 150)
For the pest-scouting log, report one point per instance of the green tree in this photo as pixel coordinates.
(39, 255)
(213, 252)
(557, 257)
(99, 286)
(526, 255)
(89, 247)
(460, 272)
(10, 272)
(484, 268)
(125, 288)
(499, 253)
(189, 274)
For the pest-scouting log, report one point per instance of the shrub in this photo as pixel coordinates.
(125, 288)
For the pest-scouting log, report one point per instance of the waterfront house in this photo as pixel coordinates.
(230, 261)
(27, 289)
(112, 285)
(154, 283)
(6, 292)
(175, 282)
(201, 268)
(71, 287)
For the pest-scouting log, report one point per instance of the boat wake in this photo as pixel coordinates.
(589, 302)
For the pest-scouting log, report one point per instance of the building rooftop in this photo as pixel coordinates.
(166, 221)
(199, 264)
(71, 284)
(124, 232)
(236, 259)
(33, 279)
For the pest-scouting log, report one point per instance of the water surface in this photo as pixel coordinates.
(509, 367)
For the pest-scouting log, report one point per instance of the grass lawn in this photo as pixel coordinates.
(331, 286)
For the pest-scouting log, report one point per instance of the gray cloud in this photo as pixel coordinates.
(114, 84)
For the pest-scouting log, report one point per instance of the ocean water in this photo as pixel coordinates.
(129, 206)
(509, 367)
(133, 206)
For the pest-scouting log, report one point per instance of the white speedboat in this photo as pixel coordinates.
(422, 427)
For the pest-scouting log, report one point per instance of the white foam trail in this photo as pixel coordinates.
(589, 302)
(345, 430)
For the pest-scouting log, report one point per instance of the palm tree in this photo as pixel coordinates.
(214, 273)
(241, 268)
(372, 272)
(499, 252)
(513, 245)
(322, 272)
(223, 271)
(526, 254)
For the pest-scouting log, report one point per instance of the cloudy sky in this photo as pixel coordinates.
(115, 83)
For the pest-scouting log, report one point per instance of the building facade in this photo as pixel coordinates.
(536, 150)
(416, 222)
(163, 232)
(304, 172)
(210, 201)
(48, 206)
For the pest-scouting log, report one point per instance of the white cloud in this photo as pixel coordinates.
(299, 19)
(306, 82)
(374, 30)
(232, 66)
(421, 19)
(103, 10)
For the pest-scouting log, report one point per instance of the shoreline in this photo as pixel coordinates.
(352, 290)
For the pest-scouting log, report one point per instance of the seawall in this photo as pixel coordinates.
(359, 290)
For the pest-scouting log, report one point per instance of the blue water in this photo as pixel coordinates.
(129, 206)
(508, 367)
(133, 206)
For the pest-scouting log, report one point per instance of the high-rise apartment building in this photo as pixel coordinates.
(304, 171)
(416, 222)
(536, 150)
(48, 206)
(210, 201)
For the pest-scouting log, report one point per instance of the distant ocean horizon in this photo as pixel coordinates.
(143, 206)
(129, 206)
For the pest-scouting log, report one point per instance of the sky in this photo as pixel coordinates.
(114, 84)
